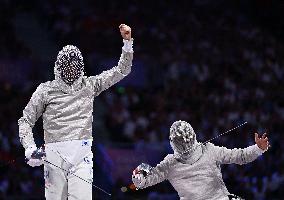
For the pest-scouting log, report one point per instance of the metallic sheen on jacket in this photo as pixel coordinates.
(67, 110)
(200, 177)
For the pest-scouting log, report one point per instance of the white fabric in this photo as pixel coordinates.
(128, 45)
(32, 162)
(139, 180)
(75, 157)
(29, 151)
(67, 111)
(225, 198)
(72, 150)
(35, 162)
(200, 177)
(259, 150)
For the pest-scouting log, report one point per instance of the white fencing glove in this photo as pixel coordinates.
(138, 179)
(140, 174)
(32, 157)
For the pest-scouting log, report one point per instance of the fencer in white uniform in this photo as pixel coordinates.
(66, 106)
(194, 170)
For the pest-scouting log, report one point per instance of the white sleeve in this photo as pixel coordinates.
(239, 156)
(160, 172)
(128, 45)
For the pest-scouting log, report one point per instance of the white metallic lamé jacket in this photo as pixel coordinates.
(200, 177)
(67, 110)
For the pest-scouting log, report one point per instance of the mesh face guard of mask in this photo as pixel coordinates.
(182, 137)
(70, 64)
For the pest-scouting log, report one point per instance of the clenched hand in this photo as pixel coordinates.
(125, 31)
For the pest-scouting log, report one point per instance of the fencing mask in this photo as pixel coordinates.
(69, 64)
(182, 138)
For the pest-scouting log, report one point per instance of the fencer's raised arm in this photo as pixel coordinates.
(238, 155)
(110, 77)
(157, 174)
(31, 113)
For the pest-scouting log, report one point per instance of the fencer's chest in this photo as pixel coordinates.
(195, 181)
(68, 103)
(192, 171)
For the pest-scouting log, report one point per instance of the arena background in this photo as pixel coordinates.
(215, 64)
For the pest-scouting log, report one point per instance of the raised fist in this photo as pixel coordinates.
(125, 31)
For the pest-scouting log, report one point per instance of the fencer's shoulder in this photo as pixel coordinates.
(42, 87)
(48, 86)
(211, 150)
(210, 146)
(85, 78)
(41, 92)
(90, 81)
(168, 160)
(169, 157)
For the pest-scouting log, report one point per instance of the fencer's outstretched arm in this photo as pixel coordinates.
(31, 113)
(240, 156)
(110, 77)
(156, 175)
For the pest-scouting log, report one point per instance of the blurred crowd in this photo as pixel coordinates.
(213, 68)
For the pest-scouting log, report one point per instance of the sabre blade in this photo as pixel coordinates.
(230, 130)
(224, 133)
